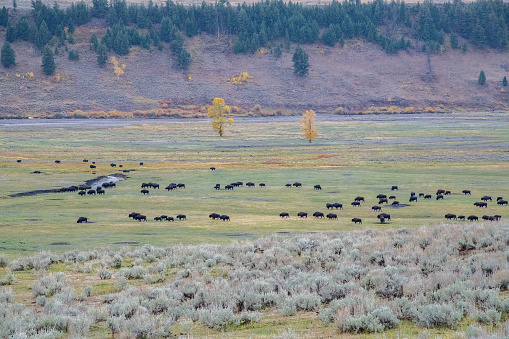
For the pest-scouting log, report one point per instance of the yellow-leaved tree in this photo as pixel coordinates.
(217, 112)
(308, 125)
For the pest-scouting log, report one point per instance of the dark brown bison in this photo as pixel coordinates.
(145, 192)
(158, 219)
(133, 214)
(328, 205)
(359, 199)
(18, 160)
(288, 185)
(440, 196)
(487, 218)
(383, 201)
(355, 203)
(100, 191)
(57, 161)
(91, 192)
(297, 184)
(440, 192)
(250, 184)
(170, 187)
(412, 194)
(317, 187)
(217, 187)
(212, 168)
(228, 187)
(486, 198)
(261, 184)
(338, 205)
(357, 220)
(82, 193)
(414, 198)
(472, 218)
(92, 166)
(224, 217)
(450, 216)
(502, 202)
(394, 188)
(113, 164)
(332, 216)
(170, 219)
(302, 215)
(318, 215)
(284, 215)
(155, 186)
(82, 219)
(447, 193)
(395, 203)
(497, 217)
(466, 192)
(461, 217)
(181, 217)
(481, 204)
(181, 185)
(141, 164)
(381, 196)
(384, 215)
(145, 184)
(214, 216)
(140, 217)
(421, 195)
(376, 208)
(85, 160)
(427, 196)
(164, 217)
(392, 197)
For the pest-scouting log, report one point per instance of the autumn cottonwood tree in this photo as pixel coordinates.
(308, 125)
(217, 112)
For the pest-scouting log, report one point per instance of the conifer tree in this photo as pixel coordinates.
(482, 78)
(43, 35)
(48, 61)
(300, 61)
(11, 34)
(102, 54)
(8, 56)
(4, 17)
(504, 81)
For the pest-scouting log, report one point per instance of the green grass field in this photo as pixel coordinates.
(350, 158)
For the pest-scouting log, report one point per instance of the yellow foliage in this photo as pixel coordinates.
(242, 79)
(217, 112)
(430, 109)
(339, 110)
(409, 110)
(119, 70)
(164, 105)
(189, 78)
(308, 125)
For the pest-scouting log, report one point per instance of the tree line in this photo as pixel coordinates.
(392, 25)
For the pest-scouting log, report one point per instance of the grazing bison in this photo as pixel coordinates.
(164, 217)
(413, 198)
(171, 187)
(318, 215)
(376, 208)
(145, 192)
(113, 164)
(217, 187)
(382, 201)
(332, 216)
(170, 219)
(472, 218)
(392, 197)
(302, 215)
(421, 195)
(82, 193)
(85, 160)
(93, 166)
(154, 186)
(238, 183)
(57, 161)
(224, 217)
(120, 165)
(450, 216)
(497, 217)
(499, 198)
(36, 172)
(140, 217)
(461, 217)
(91, 192)
(395, 203)
(141, 164)
(297, 184)
(288, 185)
(18, 160)
(284, 215)
(82, 219)
(212, 168)
(355, 203)
(502, 202)
(412, 194)
(394, 188)
(486, 198)
(466, 192)
(261, 184)
(214, 216)
(359, 199)
(487, 217)
(381, 196)
(440, 196)
(181, 186)
(100, 191)
(133, 215)
(440, 192)
(427, 196)
(181, 217)
(228, 187)
(250, 184)
(481, 204)
(357, 220)
(338, 205)
(145, 185)
(328, 205)
(158, 219)
(384, 215)
(447, 193)
(317, 187)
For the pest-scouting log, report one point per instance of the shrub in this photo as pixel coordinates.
(6, 295)
(216, 317)
(40, 300)
(249, 317)
(437, 315)
(116, 324)
(490, 316)
(104, 274)
(474, 332)
(50, 284)
(121, 284)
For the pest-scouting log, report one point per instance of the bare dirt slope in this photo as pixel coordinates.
(355, 77)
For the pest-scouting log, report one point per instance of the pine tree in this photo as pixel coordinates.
(454, 41)
(11, 34)
(48, 61)
(121, 44)
(102, 54)
(4, 17)
(482, 78)
(504, 81)
(300, 61)
(8, 56)
(184, 59)
(43, 35)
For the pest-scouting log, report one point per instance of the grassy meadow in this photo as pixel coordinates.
(351, 157)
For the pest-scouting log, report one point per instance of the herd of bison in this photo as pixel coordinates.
(84, 190)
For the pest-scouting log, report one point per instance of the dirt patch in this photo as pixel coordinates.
(60, 243)
(93, 183)
(126, 243)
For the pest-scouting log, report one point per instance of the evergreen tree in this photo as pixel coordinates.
(482, 78)
(454, 41)
(102, 54)
(11, 34)
(22, 29)
(94, 42)
(166, 29)
(184, 59)
(8, 56)
(504, 81)
(4, 17)
(121, 44)
(14, 5)
(43, 35)
(329, 36)
(300, 61)
(48, 61)
(278, 51)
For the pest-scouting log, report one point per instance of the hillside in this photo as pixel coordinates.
(360, 77)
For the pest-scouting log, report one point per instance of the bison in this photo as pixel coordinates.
(392, 197)
(413, 198)
(376, 208)
(447, 193)
(228, 187)
(82, 219)
(338, 205)
(288, 185)
(261, 184)
(382, 201)
(154, 186)
(502, 202)
(170, 219)
(486, 198)
(359, 199)
(317, 187)
(284, 215)
(481, 204)
(302, 215)
(57, 161)
(357, 220)
(450, 216)
(18, 160)
(141, 164)
(250, 184)
(384, 215)
(92, 166)
(461, 217)
(381, 196)
(214, 216)
(318, 215)
(91, 192)
(85, 160)
(421, 195)
(427, 196)
(394, 188)
(158, 219)
(297, 184)
(472, 218)
(497, 217)
(466, 192)
(133, 214)
(145, 192)
(82, 193)
(440, 196)
(181, 186)
(212, 168)
(355, 203)
(412, 194)
(499, 198)
(440, 192)
(332, 216)
(181, 217)
(100, 191)
(395, 203)
(328, 205)
(113, 164)
(140, 217)
(217, 187)
(224, 217)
